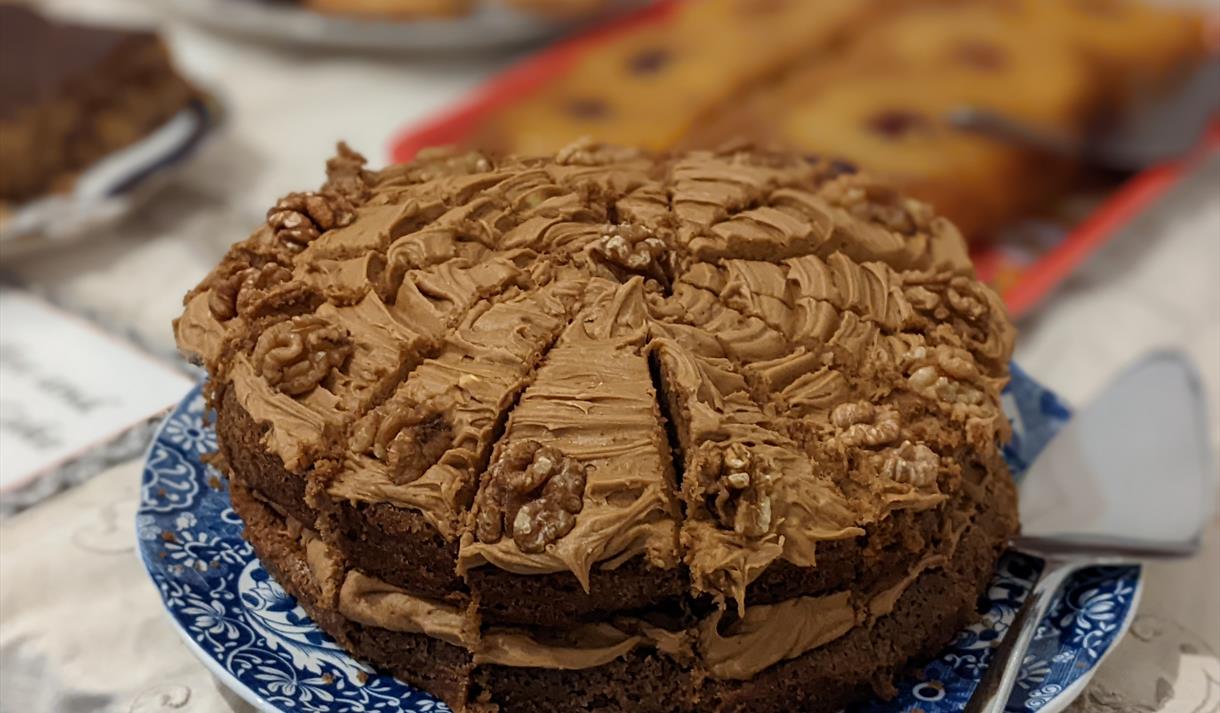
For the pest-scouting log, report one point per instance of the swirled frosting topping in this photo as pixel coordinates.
(715, 360)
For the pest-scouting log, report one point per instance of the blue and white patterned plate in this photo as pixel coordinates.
(255, 639)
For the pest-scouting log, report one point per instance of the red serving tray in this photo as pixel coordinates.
(1023, 271)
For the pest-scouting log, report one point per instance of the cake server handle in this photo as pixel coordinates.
(994, 689)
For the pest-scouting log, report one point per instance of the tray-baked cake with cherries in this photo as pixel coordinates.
(874, 82)
(611, 431)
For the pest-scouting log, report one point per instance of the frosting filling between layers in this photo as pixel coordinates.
(766, 635)
(763, 636)
(585, 647)
(370, 601)
(769, 633)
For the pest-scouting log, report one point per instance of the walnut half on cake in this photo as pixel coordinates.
(608, 431)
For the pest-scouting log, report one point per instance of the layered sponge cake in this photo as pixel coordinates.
(612, 431)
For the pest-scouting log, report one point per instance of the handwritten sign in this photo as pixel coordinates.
(66, 387)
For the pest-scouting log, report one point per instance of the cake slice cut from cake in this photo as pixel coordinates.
(307, 376)
(410, 471)
(582, 479)
(751, 496)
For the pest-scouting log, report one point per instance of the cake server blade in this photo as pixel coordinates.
(1131, 476)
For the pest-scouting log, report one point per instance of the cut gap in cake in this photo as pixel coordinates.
(469, 386)
(667, 402)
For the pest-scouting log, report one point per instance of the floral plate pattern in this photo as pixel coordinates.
(258, 642)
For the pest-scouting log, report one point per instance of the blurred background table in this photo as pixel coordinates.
(81, 627)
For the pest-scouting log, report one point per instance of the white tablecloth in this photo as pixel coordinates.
(81, 628)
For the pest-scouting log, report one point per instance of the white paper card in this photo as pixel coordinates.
(66, 387)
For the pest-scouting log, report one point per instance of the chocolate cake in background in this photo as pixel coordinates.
(72, 93)
(869, 81)
(609, 431)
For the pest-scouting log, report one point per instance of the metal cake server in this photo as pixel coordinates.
(1130, 477)
(1158, 129)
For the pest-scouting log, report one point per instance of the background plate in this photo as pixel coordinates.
(113, 186)
(254, 637)
(489, 26)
